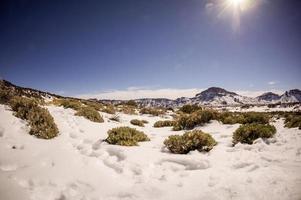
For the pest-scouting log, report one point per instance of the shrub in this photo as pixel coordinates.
(152, 111)
(90, 114)
(243, 118)
(97, 106)
(129, 110)
(190, 108)
(144, 121)
(195, 119)
(5, 95)
(293, 120)
(164, 123)
(255, 117)
(125, 136)
(131, 103)
(249, 132)
(110, 109)
(138, 122)
(189, 141)
(39, 119)
(68, 103)
(115, 118)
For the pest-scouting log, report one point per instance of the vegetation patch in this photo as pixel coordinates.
(243, 118)
(126, 136)
(126, 109)
(39, 119)
(247, 133)
(188, 109)
(189, 141)
(198, 118)
(68, 103)
(138, 122)
(164, 123)
(293, 120)
(152, 111)
(110, 109)
(90, 113)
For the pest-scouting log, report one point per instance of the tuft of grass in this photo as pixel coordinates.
(39, 119)
(115, 118)
(138, 122)
(189, 141)
(126, 136)
(164, 123)
(247, 133)
(90, 114)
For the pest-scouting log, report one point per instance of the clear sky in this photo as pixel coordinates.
(88, 47)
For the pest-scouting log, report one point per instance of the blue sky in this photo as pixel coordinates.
(90, 47)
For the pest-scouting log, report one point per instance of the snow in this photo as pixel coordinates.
(79, 165)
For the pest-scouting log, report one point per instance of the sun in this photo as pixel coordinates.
(236, 2)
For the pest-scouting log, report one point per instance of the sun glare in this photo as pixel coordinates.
(236, 2)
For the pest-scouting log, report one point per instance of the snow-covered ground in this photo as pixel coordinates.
(77, 165)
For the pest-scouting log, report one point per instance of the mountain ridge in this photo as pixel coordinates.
(213, 96)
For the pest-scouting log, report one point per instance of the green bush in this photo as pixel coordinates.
(90, 114)
(247, 133)
(125, 136)
(152, 111)
(39, 119)
(137, 122)
(293, 120)
(195, 119)
(189, 141)
(164, 123)
(190, 108)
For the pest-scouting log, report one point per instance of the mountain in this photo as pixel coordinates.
(291, 96)
(213, 96)
(268, 97)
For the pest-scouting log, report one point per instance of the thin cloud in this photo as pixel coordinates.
(272, 83)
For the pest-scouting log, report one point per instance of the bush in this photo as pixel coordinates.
(110, 109)
(195, 119)
(164, 123)
(97, 106)
(293, 120)
(125, 136)
(129, 110)
(5, 95)
(249, 132)
(243, 118)
(138, 122)
(68, 103)
(39, 119)
(90, 114)
(190, 108)
(189, 141)
(152, 111)
(131, 103)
